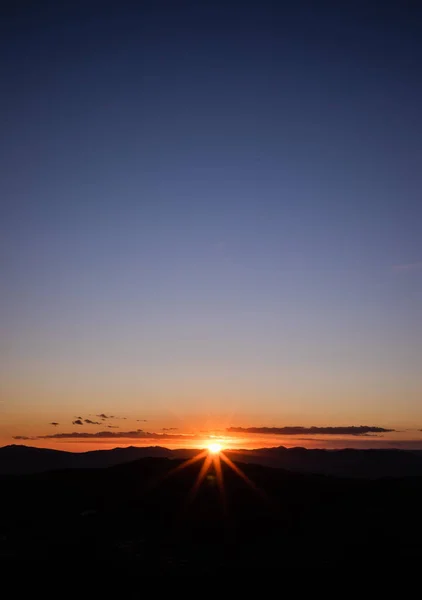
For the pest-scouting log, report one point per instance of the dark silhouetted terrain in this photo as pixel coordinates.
(144, 511)
(346, 463)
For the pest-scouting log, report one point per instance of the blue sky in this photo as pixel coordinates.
(213, 204)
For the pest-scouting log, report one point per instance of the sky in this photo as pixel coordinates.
(211, 219)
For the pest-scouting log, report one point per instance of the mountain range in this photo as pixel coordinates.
(152, 513)
(20, 459)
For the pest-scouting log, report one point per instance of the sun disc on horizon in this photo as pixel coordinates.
(215, 448)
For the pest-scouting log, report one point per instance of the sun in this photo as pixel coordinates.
(215, 448)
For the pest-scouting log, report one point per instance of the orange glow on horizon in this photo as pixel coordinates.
(215, 448)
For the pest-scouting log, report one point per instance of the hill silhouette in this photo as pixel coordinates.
(145, 511)
(16, 459)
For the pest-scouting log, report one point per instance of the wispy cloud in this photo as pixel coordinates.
(353, 430)
(139, 434)
(54, 423)
(77, 422)
(89, 422)
(415, 266)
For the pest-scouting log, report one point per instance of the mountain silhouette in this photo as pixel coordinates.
(145, 511)
(18, 459)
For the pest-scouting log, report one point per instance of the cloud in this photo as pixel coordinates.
(103, 416)
(142, 420)
(353, 430)
(54, 423)
(139, 434)
(170, 428)
(77, 422)
(113, 426)
(415, 266)
(89, 422)
(23, 437)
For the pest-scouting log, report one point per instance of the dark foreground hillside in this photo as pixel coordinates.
(138, 512)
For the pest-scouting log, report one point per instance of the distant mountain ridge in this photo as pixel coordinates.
(20, 459)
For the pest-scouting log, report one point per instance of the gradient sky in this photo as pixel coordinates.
(211, 214)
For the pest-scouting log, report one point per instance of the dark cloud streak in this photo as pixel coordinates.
(139, 434)
(360, 430)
